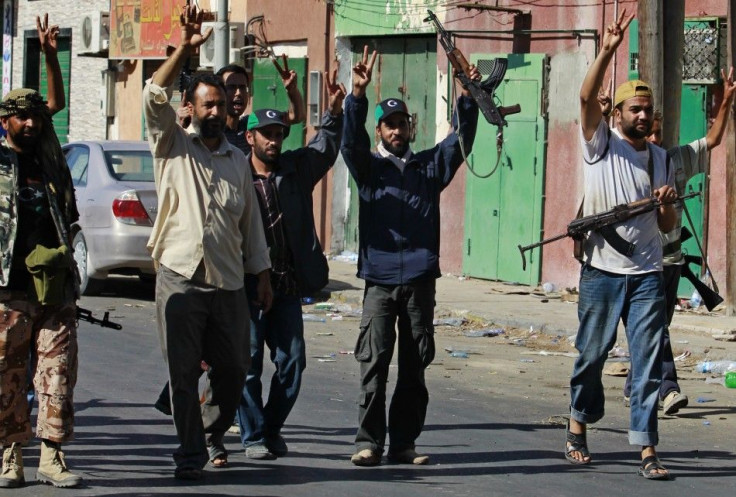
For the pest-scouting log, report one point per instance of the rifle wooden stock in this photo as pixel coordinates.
(458, 61)
(509, 109)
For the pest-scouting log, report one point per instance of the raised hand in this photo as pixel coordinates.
(604, 99)
(191, 27)
(336, 92)
(728, 84)
(362, 72)
(47, 35)
(615, 31)
(288, 77)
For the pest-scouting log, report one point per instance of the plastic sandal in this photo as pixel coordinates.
(578, 443)
(650, 467)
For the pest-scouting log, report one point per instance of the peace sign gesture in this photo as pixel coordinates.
(615, 31)
(288, 77)
(336, 92)
(362, 72)
(47, 35)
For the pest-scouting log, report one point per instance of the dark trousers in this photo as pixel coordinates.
(200, 322)
(413, 306)
(671, 275)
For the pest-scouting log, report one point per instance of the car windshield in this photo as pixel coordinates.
(130, 165)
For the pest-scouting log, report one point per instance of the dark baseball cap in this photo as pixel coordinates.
(390, 106)
(266, 117)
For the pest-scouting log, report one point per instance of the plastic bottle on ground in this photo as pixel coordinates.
(695, 300)
(312, 318)
(715, 366)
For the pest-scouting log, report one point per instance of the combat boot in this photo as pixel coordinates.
(52, 467)
(12, 474)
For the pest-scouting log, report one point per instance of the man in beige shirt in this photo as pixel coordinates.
(208, 233)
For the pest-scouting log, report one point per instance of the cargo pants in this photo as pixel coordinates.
(55, 373)
(412, 305)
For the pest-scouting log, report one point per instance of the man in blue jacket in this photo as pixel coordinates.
(399, 230)
(284, 184)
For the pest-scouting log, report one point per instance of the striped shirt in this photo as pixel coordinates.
(283, 279)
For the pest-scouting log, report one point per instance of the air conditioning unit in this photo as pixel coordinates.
(95, 30)
(237, 41)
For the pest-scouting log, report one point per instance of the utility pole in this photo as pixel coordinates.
(674, 39)
(222, 36)
(651, 46)
(731, 178)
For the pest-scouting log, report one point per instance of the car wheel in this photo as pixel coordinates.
(87, 285)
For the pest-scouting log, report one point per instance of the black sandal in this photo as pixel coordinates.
(650, 467)
(578, 443)
(218, 455)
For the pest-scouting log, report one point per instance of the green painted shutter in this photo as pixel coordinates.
(61, 118)
(496, 219)
(269, 92)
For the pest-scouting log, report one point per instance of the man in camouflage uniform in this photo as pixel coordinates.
(37, 279)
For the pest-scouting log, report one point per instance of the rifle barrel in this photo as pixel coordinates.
(535, 245)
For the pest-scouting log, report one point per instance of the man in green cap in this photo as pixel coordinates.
(37, 207)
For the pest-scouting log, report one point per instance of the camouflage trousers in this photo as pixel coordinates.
(54, 332)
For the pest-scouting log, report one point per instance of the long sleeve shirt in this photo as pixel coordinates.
(399, 219)
(207, 208)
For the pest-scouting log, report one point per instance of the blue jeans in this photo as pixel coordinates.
(671, 275)
(282, 329)
(637, 300)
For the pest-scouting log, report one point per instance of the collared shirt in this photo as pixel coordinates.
(207, 210)
(282, 270)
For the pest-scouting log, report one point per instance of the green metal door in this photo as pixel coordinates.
(269, 92)
(693, 126)
(61, 118)
(505, 209)
(406, 69)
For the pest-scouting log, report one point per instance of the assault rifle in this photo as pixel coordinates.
(603, 223)
(86, 315)
(483, 92)
(709, 295)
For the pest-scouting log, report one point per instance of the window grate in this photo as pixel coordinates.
(701, 54)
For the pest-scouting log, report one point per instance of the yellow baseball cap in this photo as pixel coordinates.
(631, 89)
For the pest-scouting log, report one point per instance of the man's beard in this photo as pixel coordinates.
(397, 151)
(631, 131)
(24, 142)
(265, 158)
(209, 128)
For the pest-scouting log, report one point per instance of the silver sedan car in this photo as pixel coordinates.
(117, 203)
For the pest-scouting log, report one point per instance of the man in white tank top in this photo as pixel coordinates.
(621, 276)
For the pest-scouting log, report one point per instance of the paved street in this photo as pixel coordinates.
(495, 424)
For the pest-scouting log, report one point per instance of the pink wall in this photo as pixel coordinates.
(563, 158)
(563, 184)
